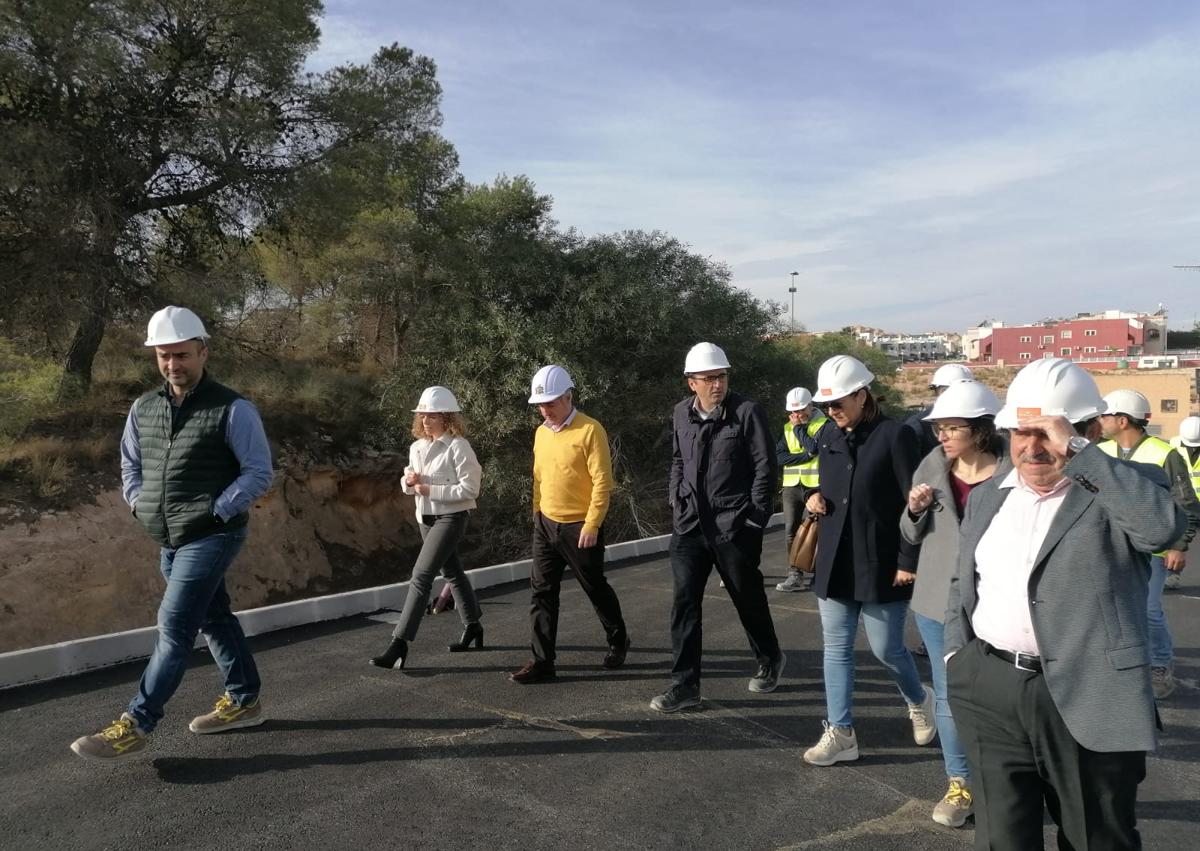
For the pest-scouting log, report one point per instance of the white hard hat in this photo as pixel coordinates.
(949, 373)
(1051, 387)
(1128, 402)
(704, 357)
(840, 376)
(548, 384)
(798, 398)
(174, 325)
(436, 400)
(966, 399)
(1189, 431)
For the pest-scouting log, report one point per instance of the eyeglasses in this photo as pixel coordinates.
(835, 404)
(949, 430)
(710, 379)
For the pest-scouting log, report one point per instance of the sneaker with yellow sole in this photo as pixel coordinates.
(118, 740)
(954, 809)
(227, 715)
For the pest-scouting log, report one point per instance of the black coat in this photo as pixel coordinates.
(926, 440)
(723, 471)
(865, 476)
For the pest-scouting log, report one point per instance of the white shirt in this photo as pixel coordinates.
(1004, 560)
(448, 465)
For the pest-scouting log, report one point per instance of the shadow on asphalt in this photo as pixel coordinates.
(608, 737)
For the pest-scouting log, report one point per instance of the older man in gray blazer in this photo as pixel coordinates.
(1046, 638)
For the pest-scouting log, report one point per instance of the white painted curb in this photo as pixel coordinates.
(36, 664)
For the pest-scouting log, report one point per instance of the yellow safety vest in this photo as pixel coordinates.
(1151, 450)
(806, 473)
(1195, 468)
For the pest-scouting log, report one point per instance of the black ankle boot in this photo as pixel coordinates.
(393, 657)
(473, 634)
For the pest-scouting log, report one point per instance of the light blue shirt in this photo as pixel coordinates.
(245, 437)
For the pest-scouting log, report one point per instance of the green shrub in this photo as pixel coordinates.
(28, 387)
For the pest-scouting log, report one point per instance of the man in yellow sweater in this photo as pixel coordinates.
(572, 481)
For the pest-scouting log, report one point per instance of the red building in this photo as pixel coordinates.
(1090, 340)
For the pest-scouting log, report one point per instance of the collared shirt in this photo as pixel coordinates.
(449, 466)
(714, 414)
(1004, 561)
(570, 419)
(245, 437)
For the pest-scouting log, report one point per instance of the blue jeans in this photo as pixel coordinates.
(885, 633)
(953, 755)
(1162, 648)
(196, 601)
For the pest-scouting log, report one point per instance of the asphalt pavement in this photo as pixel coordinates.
(449, 754)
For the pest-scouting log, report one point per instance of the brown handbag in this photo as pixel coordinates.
(803, 554)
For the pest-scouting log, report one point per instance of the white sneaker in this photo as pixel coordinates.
(1162, 680)
(837, 744)
(956, 806)
(924, 728)
(1174, 580)
(796, 581)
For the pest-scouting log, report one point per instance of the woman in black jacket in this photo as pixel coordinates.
(864, 570)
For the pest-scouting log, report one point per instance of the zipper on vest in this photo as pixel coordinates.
(166, 467)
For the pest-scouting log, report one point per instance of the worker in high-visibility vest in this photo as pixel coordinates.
(1187, 444)
(797, 454)
(1123, 423)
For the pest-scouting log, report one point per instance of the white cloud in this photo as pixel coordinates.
(1051, 187)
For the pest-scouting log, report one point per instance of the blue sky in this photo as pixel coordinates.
(922, 165)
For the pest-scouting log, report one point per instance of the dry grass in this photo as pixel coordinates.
(46, 466)
(53, 452)
(913, 383)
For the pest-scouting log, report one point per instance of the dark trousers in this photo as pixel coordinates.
(555, 546)
(693, 556)
(1023, 756)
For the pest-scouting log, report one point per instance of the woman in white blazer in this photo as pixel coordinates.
(444, 476)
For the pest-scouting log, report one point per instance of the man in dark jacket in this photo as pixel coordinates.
(194, 457)
(722, 477)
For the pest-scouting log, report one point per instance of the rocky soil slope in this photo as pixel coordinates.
(92, 569)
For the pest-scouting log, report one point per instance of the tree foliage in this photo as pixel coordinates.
(174, 151)
(145, 134)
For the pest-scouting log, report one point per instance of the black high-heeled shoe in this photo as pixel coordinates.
(394, 656)
(473, 634)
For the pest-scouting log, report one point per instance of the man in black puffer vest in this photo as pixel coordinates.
(194, 457)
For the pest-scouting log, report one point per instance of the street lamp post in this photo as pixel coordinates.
(792, 290)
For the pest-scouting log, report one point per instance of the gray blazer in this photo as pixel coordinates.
(936, 533)
(1087, 596)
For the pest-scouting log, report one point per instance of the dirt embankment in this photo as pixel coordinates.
(92, 569)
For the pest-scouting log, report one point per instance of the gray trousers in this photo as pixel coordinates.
(793, 513)
(439, 553)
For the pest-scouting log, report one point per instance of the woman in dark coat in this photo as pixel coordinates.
(865, 570)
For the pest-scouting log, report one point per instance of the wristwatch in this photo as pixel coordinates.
(1076, 445)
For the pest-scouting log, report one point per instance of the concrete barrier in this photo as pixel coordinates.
(20, 667)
